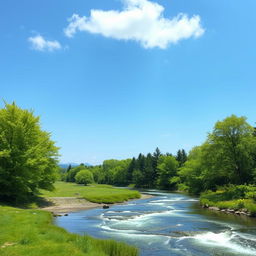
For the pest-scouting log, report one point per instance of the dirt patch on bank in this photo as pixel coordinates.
(62, 205)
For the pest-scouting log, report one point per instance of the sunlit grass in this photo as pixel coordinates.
(93, 193)
(31, 233)
(222, 200)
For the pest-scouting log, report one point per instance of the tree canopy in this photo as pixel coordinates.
(226, 157)
(28, 157)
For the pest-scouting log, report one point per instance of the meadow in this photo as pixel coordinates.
(31, 233)
(95, 193)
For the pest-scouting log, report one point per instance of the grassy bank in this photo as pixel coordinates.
(238, 198)
(31, 233)
(94, 193)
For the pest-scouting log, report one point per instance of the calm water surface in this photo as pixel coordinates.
(168, 224)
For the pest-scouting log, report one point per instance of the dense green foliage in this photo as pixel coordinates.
(93, 193)
(31, 233)
(237, 197)
(84, 177)
(227, 157)
(28, 157)
(153, 170)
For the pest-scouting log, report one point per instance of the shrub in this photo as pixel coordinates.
(239, 191)
(84, 177)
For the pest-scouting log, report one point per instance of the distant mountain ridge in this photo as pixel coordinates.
(65, 165)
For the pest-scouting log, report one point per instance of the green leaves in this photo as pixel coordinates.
(28, 157)
(227, 156)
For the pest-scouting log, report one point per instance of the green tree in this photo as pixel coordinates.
(73, 171)
(156, 156)
(191, 173)
(84, 177)
(138, 178)
(28, 157)
(233, 144)
(167, 169)
(181, 157)
(227, 157)
(130, 170)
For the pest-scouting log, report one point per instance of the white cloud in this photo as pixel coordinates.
(40, 44)
(141, 21)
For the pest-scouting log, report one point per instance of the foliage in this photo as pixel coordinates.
(227, 157)
(231, 197)
(167, 170)
(191, 172)
(28, 157)
(233, 144)
(94, 193)
(84, 177)
(181, 157)
(71, 173)
(30, 232)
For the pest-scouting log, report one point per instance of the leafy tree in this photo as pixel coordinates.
(73, 171)
(28, 157)
(227, 156)
(98, 174)
(233, 144)
(84, 177)
(167, 169)
(191, 173)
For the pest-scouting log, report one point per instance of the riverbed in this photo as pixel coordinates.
(167, 224)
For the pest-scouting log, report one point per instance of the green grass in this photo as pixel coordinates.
(31, 233)
(223, 200)
(94, 193)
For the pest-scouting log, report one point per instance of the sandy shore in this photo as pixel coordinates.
(63, 205)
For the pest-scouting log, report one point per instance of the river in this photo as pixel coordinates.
(167, 224)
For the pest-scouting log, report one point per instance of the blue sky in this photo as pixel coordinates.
(114, 84)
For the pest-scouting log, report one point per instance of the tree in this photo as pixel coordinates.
(191, 173)
(167, 169)
(69, 167)
(233, 144)
(28, 157)
(84, 177)
(227, 157)
(73, 171)
(155, 159)
(130, 170)
(181, 157)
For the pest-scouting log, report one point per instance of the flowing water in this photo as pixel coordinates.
(167, 224)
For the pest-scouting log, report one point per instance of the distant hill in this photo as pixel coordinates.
(65, 165)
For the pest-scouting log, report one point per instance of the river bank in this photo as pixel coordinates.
(168, 224)
(65, 205)
(32, 232)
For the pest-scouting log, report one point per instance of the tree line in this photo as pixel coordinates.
(145, 171)
(228, 156)
(29, 160)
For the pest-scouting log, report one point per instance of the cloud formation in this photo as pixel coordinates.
(141, 21)
(40, 44)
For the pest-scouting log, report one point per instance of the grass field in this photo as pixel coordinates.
(31, 233)
(94, 193)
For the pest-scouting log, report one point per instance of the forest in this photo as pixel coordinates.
(228, 156)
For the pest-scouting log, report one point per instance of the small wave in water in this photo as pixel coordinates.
(167, 225)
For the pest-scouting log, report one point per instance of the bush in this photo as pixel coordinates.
(84, 177)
